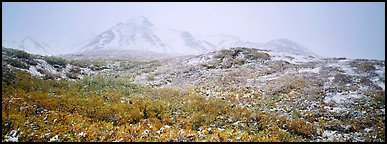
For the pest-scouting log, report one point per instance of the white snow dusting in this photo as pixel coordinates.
(341, 98)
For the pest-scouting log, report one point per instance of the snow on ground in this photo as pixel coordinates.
(328, 133)
(81, 134)
(86, 71)
(335, 136)
(65, 70)
(314, 70)
(194, 61)
(367, 130)
(12, 136)
(54, 139)
(42, 64)
(341, 98)
(240, 55)
(34, 72)
(291, 58)
(376, 81)
(343, 66)
(381, 72)
(336, 109)
(200, 59)
(268, 77)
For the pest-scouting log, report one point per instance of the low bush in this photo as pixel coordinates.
(55, 61)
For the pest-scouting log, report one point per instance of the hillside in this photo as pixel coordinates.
(235, 94)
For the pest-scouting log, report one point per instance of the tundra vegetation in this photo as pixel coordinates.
(239, 94)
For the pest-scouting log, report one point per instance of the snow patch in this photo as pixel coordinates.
(291, 58)
(81, 134)
(314, 70)
(54, 139)
(376, 81)
(328, 133)
(167, 126)
(193, 61)
(268, 77)
(341, 98)
(336, 109)
(343, 66)
(34, 72)
(13, 137)
(42, 64)
(240, 55)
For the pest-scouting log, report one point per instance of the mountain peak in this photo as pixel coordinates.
(139, 21)
(284, 41)
(29, 38)
(139, 34)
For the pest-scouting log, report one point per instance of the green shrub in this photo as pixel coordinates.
(7, 75)
(55, 61)
(151, 77)
(17, 63)
(255, 55)
(20, 54)
(342, 78)
(365, 67)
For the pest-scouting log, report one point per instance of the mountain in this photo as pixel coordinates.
(224, 41)
(30, 44)
(288, 46)
(277, 45)
(139, 34)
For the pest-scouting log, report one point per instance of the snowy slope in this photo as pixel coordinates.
(139, 34)
(288, 46)
(278, 45)
(30, 44)
(224, 41)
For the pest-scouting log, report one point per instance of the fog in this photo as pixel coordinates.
(353, 30)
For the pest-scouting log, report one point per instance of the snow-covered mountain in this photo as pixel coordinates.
(223, 41)
(29, 44)
(288, 46)
(277, 45)
(139, 34)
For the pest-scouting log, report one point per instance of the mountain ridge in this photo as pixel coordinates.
(30, 44)
(140, 34)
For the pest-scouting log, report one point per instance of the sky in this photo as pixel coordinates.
(334, 29)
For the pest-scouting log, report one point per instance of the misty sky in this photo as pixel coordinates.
(353, 30)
